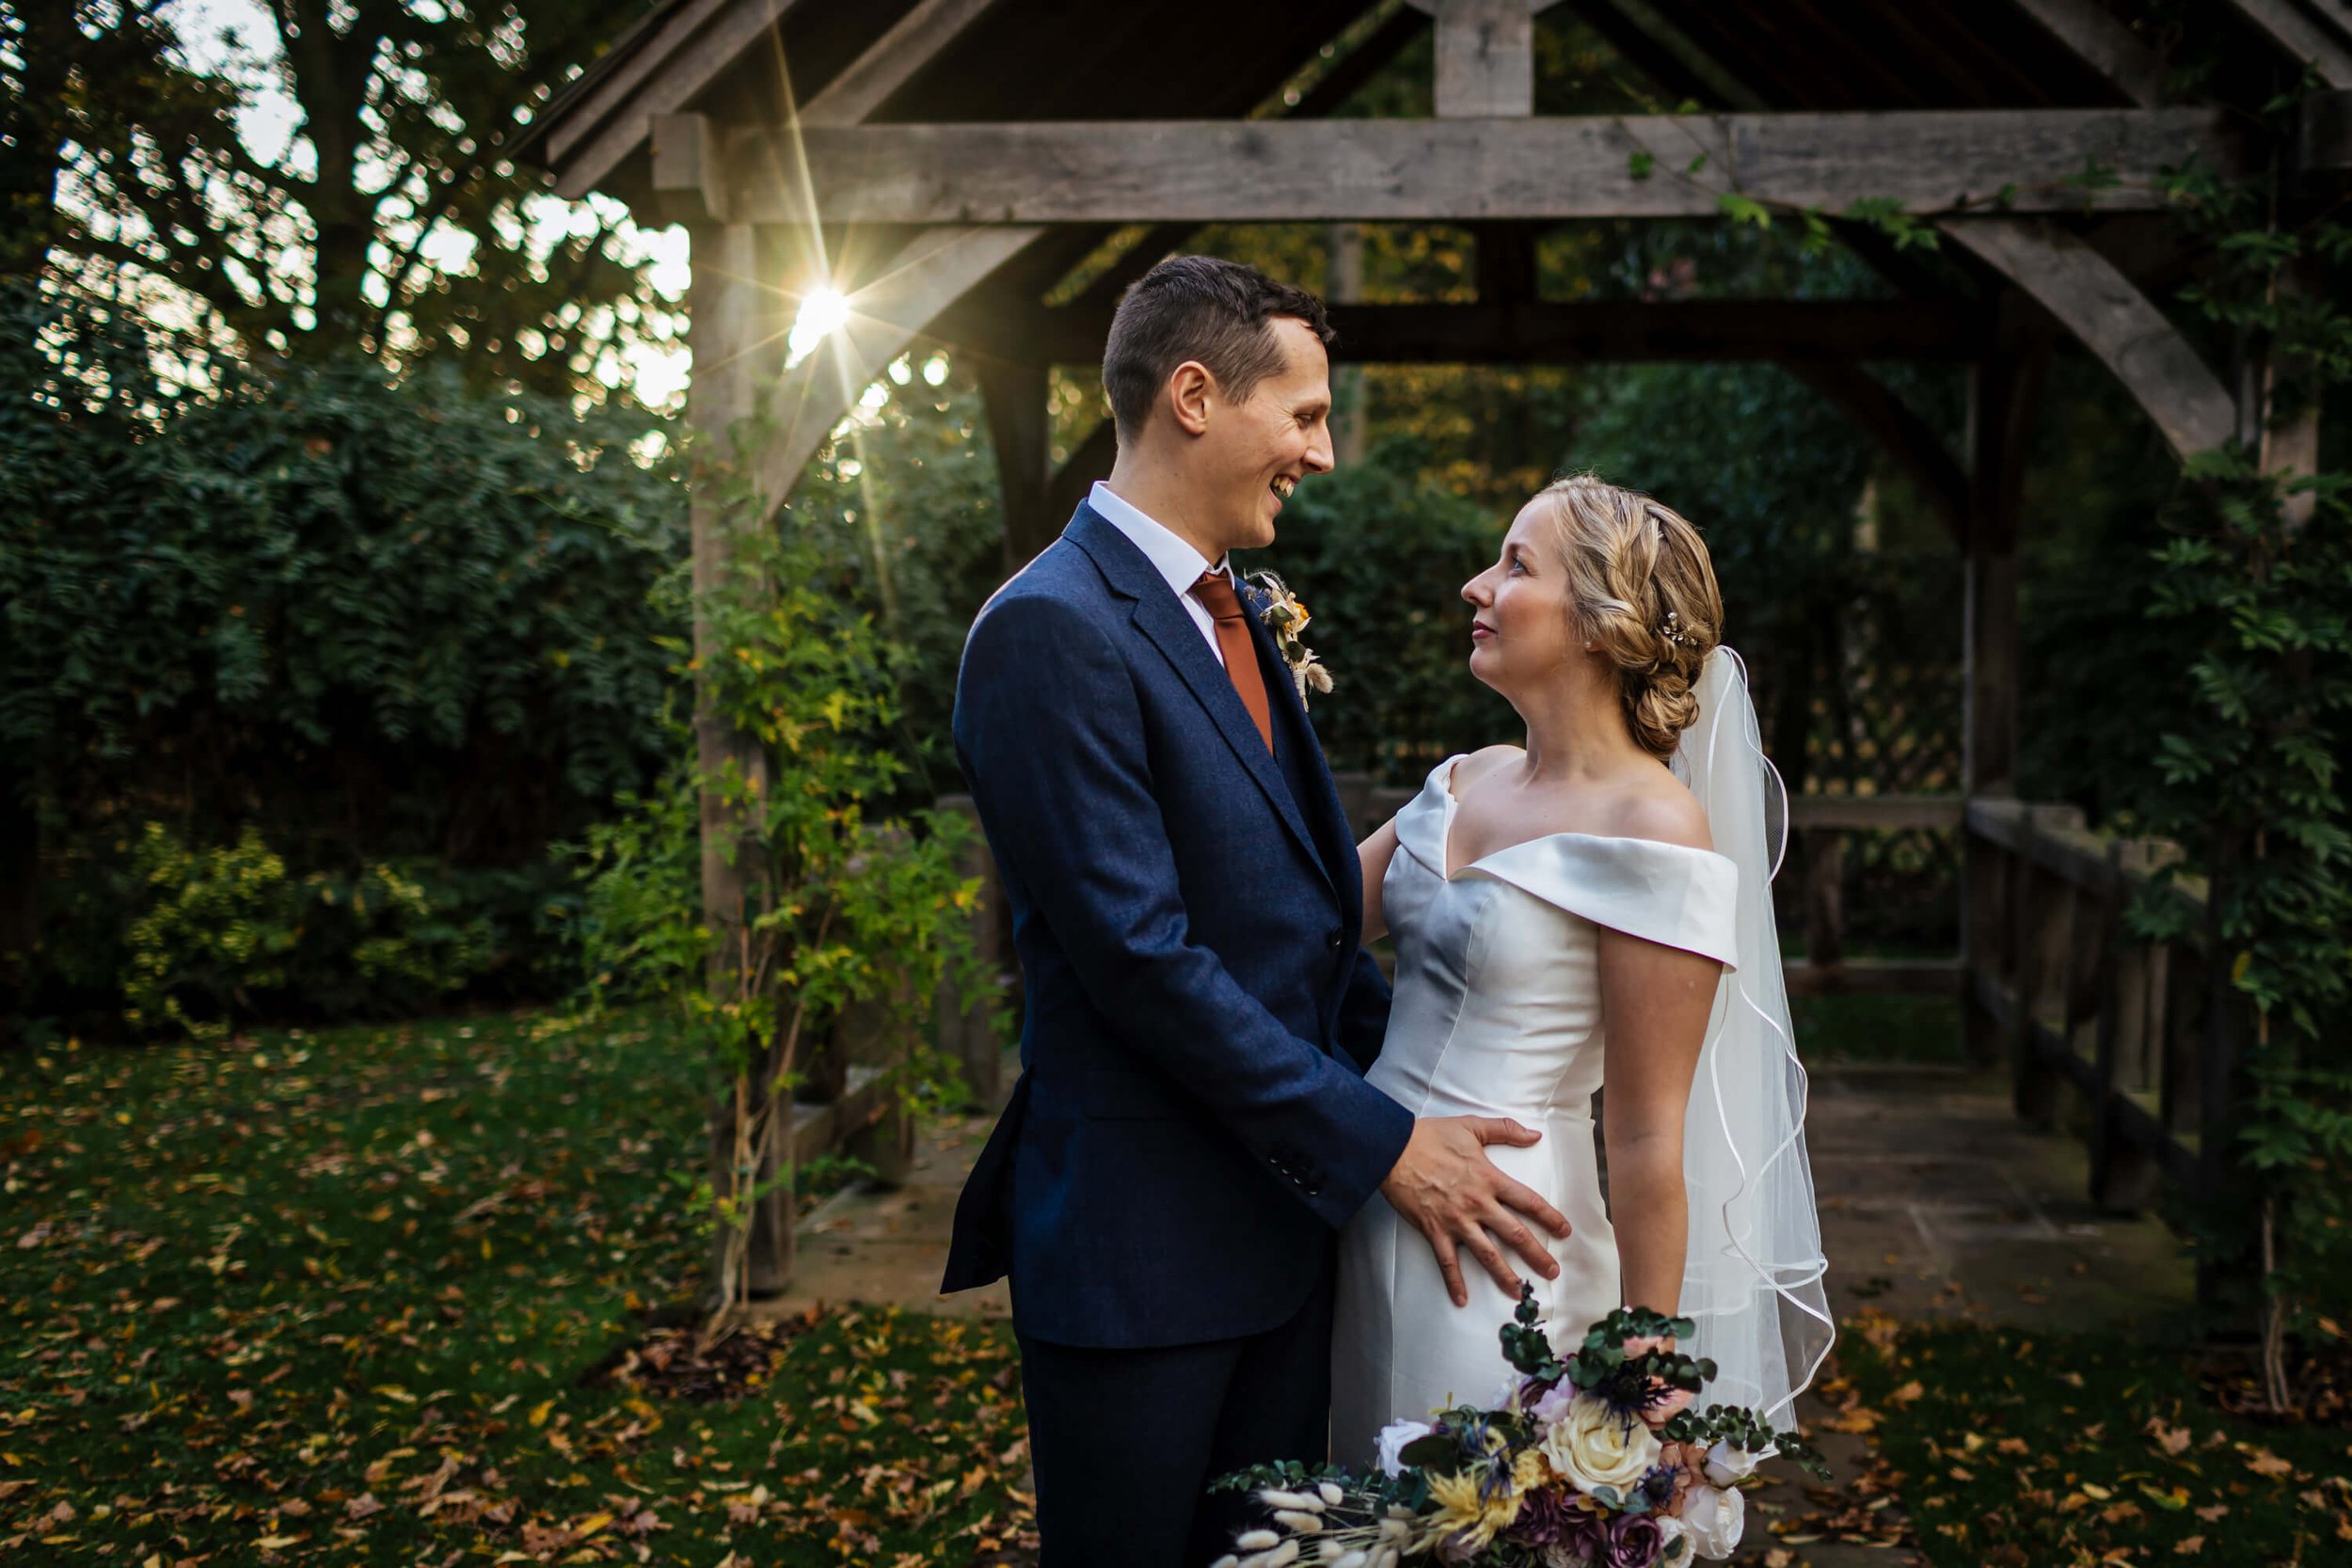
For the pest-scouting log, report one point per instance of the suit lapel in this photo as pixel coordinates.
(1293, 730)
(1164, 623)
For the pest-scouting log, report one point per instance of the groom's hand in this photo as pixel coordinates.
(1444, 1183)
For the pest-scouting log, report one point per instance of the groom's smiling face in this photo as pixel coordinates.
(1251, 453)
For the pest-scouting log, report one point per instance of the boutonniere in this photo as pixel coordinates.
(1286, 617)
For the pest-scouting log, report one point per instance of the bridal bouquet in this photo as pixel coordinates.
(1596, 1462)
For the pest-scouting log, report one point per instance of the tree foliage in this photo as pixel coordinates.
(373, 619)
(390, 215)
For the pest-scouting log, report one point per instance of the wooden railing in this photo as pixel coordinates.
(2057, 989)
(2050, 983)
(1819, 826)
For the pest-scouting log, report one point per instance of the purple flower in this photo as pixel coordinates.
(1584, 1533)
(1634, 1541)
(1544, 1512)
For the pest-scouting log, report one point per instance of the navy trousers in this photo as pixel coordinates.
(1126, 1441)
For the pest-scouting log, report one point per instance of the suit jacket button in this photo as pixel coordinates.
(1331, 938)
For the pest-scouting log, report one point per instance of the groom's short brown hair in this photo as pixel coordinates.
(1198, 308)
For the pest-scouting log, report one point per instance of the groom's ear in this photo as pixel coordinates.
(1190, 391)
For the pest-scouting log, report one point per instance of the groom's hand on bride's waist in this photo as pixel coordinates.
(1444, 1183)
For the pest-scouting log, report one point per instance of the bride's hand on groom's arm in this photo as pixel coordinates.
(1444, 1185)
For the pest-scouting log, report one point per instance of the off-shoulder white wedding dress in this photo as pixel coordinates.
(1497, 1014)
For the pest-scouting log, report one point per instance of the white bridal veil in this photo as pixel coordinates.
(1753, 1275)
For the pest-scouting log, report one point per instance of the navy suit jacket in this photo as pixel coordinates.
(1191, 1125)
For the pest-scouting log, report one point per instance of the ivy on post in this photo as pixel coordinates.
(2258, 581)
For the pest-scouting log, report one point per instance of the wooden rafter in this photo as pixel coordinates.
(918, 38)
(1931, 162)
(2113, 319)
(2302, 36)
(2090, 32)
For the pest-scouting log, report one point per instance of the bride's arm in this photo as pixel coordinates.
(1374, 854)
(1655, 1002)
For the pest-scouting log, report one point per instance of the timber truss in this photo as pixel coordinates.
(946, 164)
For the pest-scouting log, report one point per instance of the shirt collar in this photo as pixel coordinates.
(1170, 555)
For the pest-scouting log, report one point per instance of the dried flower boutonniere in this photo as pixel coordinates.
(1285, 617)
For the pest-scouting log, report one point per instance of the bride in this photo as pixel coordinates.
(1593, 908)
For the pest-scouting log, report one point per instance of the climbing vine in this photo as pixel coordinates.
(2256, 580)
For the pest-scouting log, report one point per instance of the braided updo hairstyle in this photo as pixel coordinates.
(1642, 588)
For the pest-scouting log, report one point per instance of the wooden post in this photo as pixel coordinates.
(1824, 899)
(2002, 394)
(1014, 391)
(2044, 918)
(1344, 285)
(725, 312)
(2124, 1176)
(1988, 872)
(1485, 58)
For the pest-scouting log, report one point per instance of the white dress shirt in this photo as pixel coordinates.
(1170, 555)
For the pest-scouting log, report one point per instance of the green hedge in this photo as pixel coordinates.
(395, 628)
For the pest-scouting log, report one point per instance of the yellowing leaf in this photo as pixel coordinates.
(2095, 1492)
(593, 1523)
(395, 1393)
(538, 1416)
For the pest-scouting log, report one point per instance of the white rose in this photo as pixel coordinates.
(1395, 1438)
(1593, 1447)
(1727, 1466)
(1671, 1529)
(1713, 1518)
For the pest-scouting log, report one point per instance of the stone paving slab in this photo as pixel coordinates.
(1935, 1203)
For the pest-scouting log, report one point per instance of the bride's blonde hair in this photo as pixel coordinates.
(1642, 588)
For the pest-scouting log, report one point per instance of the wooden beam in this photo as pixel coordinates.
(936, 269)
(1120, 171)
(1485, 59)
(622, 120)
(1091, 461)
(567, 122)
(1014, 391)
(2091, 32)
(1906, 436)
(2114, 320)
(1793, 331)
(892, 62)
(687, 184)
(2300, 36)
(1875, 813)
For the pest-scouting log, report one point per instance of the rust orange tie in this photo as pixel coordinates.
(1215, 593)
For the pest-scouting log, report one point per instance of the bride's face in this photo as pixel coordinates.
(1520, 633)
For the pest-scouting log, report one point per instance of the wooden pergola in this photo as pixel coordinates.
(945, 163)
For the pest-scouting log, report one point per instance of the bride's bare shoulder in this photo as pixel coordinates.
(1664, 810)
(1478, 764)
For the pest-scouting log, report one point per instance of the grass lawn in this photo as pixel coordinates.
(2012, 1449)
(334, 1298)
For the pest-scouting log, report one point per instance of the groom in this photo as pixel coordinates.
(1191, 1127)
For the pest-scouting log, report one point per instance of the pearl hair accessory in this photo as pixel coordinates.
(1671, 631)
